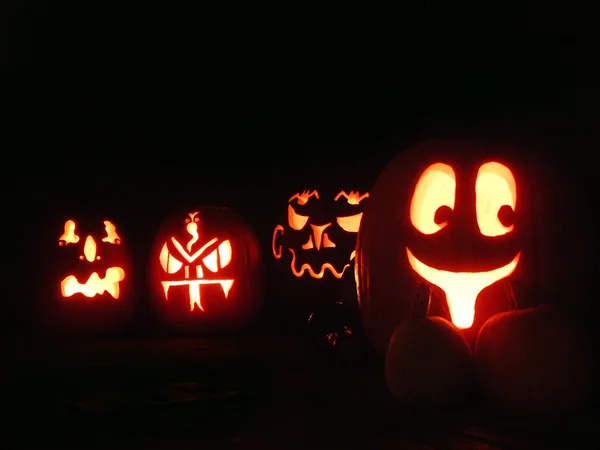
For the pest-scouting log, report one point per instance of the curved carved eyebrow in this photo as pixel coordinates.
(304, 196)
(111, 233)
(69, 236)
(354, 197)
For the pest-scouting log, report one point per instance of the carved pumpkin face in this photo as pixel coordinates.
(206, 269)
(91, 276)
(482, 214)
(459, 215)
(320, 233)
(94, 285)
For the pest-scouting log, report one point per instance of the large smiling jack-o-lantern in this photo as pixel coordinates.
(92, 290)
(320, 233)
(434, 207)
(466, 217)
(206, 270)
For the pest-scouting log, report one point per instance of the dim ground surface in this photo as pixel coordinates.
(238, 393)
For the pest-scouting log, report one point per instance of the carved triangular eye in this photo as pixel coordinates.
(351, 224)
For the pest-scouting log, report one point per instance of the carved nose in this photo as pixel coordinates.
(318, 233)
(89, 249)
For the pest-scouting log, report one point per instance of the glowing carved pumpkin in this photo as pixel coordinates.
(94, 285)
(320, 233)
(460, 216)
(206, 270)
(91, 268)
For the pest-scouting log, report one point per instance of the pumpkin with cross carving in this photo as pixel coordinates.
(466, 216)
(206, 270)
(91, 276)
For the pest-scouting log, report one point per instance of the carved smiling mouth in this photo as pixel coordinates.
(461, 288)
(325, 267)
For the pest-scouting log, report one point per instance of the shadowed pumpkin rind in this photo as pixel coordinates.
(429, 364)
(535, 362)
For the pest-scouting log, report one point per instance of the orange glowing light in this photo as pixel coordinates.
(304, 196)
(69, 236)
(435, 188)
(94, 285)
(461, 288)
(319, 238)
(212, 257)
(495, 188)
(111, 233)
(354, 198)
(305, 267)
(277, 250)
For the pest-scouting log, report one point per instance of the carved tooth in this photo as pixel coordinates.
(226, 285)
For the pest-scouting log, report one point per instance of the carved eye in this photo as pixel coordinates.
(111, 234)
(296, 221)
(351, 224)
(433, 198)
(496, 199)
(219, 257)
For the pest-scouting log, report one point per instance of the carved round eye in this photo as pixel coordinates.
(506, 216)
(442, 215)
(351, 224)
(296, 221)
(433, 198)
(196, 220)
(496, 199)
(187, 220)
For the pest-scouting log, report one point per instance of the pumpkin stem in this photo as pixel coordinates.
(421, 302)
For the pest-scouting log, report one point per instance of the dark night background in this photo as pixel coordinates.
(136, 108)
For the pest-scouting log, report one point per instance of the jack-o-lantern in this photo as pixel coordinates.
(91, 278)
(313, 249)
(320, 233)
(463, 216)
(206, 270)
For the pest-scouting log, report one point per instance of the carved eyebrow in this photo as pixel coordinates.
(354, 197)
(111, 232)
(69, 236)
(304, 196)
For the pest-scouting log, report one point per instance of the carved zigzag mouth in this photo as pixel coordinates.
(321, 273)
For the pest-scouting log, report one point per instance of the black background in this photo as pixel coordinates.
(139, 108)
